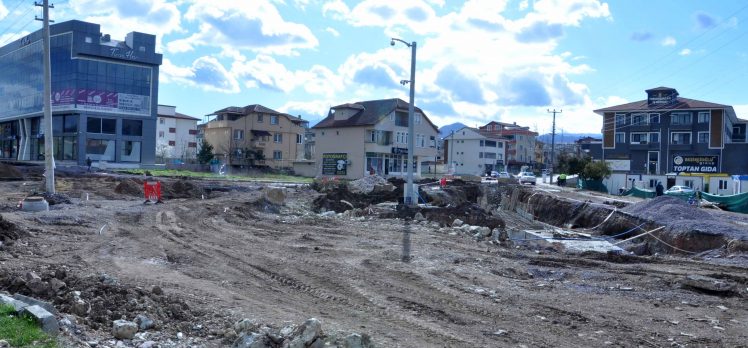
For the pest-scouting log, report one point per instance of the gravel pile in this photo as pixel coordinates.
(678, 216)
(366, 184)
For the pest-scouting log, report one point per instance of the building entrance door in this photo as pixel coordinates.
(386, 166)
(653, 162)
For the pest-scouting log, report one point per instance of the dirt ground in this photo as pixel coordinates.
(404, 283)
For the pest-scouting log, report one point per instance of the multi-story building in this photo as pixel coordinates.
(474, 151)
(520, 146)
(667, 135)
(104, 96)
(176, 135)
(255, 135)
(358, 139)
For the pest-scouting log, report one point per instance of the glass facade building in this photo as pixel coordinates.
(104, 96)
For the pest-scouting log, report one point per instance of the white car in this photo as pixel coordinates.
(526, 178)
(679, 189)
(504, 175)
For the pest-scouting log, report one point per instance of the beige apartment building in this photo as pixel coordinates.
(358, 139)
(255, 135)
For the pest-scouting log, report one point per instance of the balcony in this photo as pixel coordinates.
(217, 124)
(258, 143)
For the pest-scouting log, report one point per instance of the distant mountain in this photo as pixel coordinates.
(446, 130)
(567, 138)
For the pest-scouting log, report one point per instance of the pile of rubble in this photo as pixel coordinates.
(369, 184)
(251, 334)
(8, 172)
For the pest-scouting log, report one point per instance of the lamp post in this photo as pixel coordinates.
(411, 197)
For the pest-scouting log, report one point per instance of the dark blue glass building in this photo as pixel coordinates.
(104, 96)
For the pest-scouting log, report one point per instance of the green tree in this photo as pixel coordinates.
(571, 165)
(596, 171)
(206, 153)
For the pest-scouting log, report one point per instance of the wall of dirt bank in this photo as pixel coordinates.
(606, 220)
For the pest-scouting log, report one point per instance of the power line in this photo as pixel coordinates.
(13, 10)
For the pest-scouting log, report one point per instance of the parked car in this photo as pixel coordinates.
(504, 175)
(679, 189)
(494, 174)
(526, 178)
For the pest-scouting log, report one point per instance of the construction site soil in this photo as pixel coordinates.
(216, 252)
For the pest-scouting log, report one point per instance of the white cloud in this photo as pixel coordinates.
(255, 25)
(206, 73)
(316, 109)
(3, 10)
(669, 41)
(118, 18)
(685, 52)
(332, 31)
(265, 72)
(523, 5)
(415, 15)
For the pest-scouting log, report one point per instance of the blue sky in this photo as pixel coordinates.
(477, 61)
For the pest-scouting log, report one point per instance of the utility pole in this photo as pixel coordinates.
(49, 161)
(553, 141)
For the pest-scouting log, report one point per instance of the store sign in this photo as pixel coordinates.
(334, 163)
(695, 164)
(116, 52)
(98, 100)
(399, 151)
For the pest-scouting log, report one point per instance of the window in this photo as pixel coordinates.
(421, 140)
(160, 134)
(703, 137)
(191, 144)
(132, 127)
(278, 137)
(481, 144)
(273, 119)
(372, 136)
(722, 184)
(172, 130)
(172, 143)
(620, 138)
(277, 155)
(259, 118)
(418, 118)
(680, 118)
(71, 124)
(500, 145)
(620, 119)
(654, 138)
(130, 151)
(101, 125)
(639, 138)
(639, 119)
(480, 154)
(100, 149)
(299, 139)
(654, 118)
(704, 117)
(238, 134)
(688, 183)
(161, 120)
(680, 138)
(491, 155)
(192, 131)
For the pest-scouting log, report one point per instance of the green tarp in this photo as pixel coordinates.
(737, 203)
(641, 193)
(592, 185)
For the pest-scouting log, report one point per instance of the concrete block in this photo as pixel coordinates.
(32, 301)
(45, 319)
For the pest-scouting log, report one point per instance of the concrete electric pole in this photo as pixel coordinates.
(49, 161)
(553, 142)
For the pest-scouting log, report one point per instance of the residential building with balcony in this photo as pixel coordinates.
(666, 133)
(357, 139)
(474, 151)
(176, 135)
(520, 145)
(255, 135)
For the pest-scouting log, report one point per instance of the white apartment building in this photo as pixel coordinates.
(475, 152)
(176, 135)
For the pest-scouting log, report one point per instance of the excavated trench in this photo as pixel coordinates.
(611, 220)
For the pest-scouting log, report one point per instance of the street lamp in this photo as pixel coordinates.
(411, 197)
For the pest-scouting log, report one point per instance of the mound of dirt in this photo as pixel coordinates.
(129, 187)
(181, 189)
(9, 231)
(335, 199)
(666, 209)
(471, 214)
(9, 172)
(56, 198)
